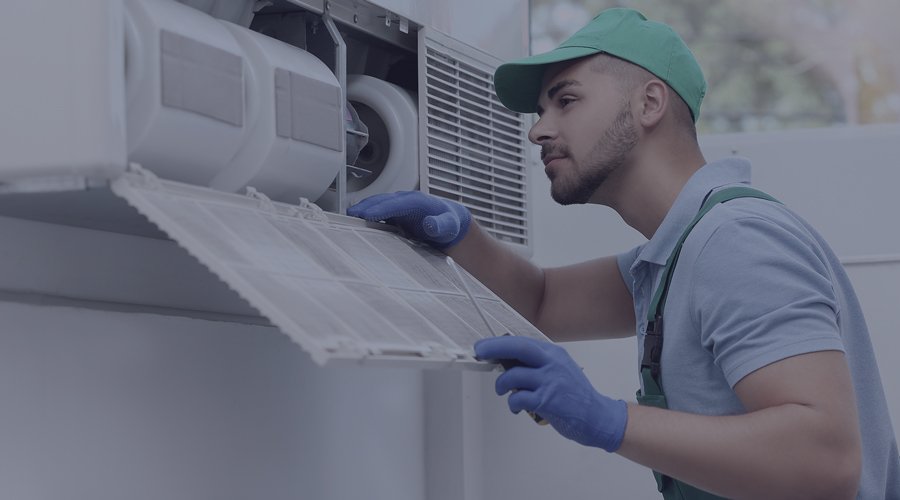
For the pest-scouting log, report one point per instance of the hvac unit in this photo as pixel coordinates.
(239, 132)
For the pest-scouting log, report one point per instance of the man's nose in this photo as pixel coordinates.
(541, 131)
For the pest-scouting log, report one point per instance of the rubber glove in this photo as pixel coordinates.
(547, 381)
(437, 221)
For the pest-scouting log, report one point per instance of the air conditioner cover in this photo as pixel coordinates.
(343, 289)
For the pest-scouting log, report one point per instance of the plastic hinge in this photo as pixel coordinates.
(146, 179)
(312, 211)
(264, 202)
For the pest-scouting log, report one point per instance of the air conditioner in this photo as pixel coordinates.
(240, 131)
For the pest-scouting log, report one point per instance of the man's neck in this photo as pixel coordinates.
(647, 190)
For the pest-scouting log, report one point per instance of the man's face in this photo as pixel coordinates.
(585, 131)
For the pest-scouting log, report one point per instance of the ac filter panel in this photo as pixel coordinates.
(341, 288)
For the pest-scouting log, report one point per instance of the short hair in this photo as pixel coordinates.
(630, 75)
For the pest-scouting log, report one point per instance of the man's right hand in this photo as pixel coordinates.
(441, 223)
(545, 380)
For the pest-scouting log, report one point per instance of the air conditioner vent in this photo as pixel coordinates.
(474, 149)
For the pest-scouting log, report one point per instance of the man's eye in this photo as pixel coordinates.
(565, 101)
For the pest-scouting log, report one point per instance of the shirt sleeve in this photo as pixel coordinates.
(762, 293)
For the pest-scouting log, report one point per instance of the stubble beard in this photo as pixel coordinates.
(607, 156)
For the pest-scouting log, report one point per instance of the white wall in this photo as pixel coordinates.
(842, 180)
(101, 405)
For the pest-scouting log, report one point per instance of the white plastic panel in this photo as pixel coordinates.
(62, 104)
(340, 288)
(841, 179)
(499, 27)
(213, 103)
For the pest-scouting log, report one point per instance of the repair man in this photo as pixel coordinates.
(756, 365)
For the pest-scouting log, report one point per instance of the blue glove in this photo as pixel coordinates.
(439, 222)
(547, 381)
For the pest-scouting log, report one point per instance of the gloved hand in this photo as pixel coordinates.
(548, 382)
(439, 222)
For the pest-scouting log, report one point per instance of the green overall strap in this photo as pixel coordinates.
(653, 395)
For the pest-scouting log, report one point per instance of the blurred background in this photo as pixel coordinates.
(770, 64)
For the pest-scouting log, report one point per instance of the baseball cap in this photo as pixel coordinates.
(620, 32)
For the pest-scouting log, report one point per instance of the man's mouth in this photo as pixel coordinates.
(550, 152)
(551, 158)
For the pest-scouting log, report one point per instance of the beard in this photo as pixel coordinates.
(607, 156)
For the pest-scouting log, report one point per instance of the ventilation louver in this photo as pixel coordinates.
(474, 148)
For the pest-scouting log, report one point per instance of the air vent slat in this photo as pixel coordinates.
(441, 101)
(474, 176)
(463, 69)
(451, 98)
(478, 172)
(498, 199)
(462, 152)
(498, 231)
(452, 86)
(501, 138)
(483, 96)
(505, 186)
(470, 143)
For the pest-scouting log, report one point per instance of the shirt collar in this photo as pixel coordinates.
(687, 204)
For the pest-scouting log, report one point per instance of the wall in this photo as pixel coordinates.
(106, 405)
(842, 180)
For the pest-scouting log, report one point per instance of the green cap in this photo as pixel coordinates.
(624, 33)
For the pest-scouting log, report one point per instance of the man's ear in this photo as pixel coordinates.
(654, 100)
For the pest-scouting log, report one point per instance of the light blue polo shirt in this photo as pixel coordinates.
(755, 284)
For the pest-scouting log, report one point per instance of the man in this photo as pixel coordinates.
(758, 382)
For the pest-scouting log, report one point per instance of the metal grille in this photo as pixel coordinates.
(475, 147)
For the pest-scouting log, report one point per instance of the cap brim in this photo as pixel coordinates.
(518, 83)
